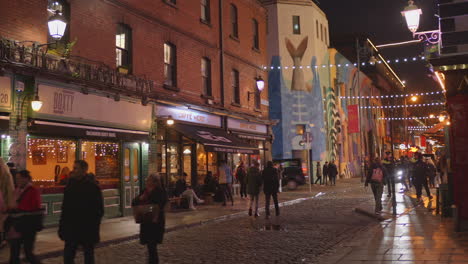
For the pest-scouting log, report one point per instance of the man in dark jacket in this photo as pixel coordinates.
(325, 173)
(420, 173)
(82, 211)
(332, 172)
(270, 178)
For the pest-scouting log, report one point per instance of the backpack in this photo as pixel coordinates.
(377, 175)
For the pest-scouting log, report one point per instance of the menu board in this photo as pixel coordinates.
(107, 167)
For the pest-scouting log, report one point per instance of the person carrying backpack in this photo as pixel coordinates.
(376, 177)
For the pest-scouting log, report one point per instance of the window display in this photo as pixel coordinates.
(50, 160)
(103, 161)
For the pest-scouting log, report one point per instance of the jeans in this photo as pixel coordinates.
(243, 189)
(27, 240)
(267, 203)
(252, 199)
(153, 257)
(419, 186)
(325, 179)
(228, 193)
(332, 180)
(390, 184)
(377, 190)
(70, 252)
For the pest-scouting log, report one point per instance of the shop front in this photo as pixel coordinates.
(111, 136)
(256, 135)
(195, 145)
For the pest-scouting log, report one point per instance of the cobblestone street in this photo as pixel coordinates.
(308, 229)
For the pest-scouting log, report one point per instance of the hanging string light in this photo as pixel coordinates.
(406, 118)
(416, 127)
(345, 65)
(399, 106)
(392, 95)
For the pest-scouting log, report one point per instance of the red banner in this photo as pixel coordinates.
(353, 119)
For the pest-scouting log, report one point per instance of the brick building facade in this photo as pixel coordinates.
(194, 61)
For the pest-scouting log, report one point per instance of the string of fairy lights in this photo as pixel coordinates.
(392, 95)
(407, 118)
(392, 61)
(51, 148)
(400, 106)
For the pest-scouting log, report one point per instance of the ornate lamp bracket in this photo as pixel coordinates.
(431, 37)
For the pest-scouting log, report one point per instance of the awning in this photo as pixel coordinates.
(215, 140)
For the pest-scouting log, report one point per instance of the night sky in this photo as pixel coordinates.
(382, 21)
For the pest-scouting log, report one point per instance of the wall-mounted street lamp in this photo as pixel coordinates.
(260, 83)
(412, 14)
(57, 25)
(169, 120)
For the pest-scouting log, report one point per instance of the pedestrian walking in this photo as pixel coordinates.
(270, 178)
(332, 172)
(254, 182)
(376, 178)
(7, 195)
(152, 225)
(25, 219)
(325, 173)
(225, 180)
(82, 211)
(318, 173)
(389, 167)
(420, 174)
(241, 175)
(432, 170)
(185, 191)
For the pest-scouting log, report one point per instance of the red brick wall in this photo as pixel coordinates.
(93, 24)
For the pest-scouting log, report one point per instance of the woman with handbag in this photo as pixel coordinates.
(152, 218)
(25, 220)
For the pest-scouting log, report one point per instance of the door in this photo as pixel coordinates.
(131, 173)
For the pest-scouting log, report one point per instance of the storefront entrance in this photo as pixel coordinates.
(131, 175)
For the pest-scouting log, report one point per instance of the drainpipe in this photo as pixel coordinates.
(221, 52)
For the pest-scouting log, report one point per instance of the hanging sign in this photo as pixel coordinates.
(353, 119)
(237, 124)
(188, 115)
(5, 92)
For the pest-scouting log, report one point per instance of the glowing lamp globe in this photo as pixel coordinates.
(170, 122)
(36, 104)
(57, 25)
(260, 84)
(412, 14)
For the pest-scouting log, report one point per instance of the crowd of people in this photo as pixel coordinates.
(419, 172)
(327, 174)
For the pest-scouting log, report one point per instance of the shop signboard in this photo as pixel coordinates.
(188, 115)
(64, 104)
(5, 92)
(237, 124)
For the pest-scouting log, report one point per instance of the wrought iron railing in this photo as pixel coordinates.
(36, 57)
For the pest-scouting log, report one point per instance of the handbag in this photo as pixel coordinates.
(146, 213)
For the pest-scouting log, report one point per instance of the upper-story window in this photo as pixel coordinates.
(326, 35)
(321, 32)
(255, 44)
(206, 76)
(170, 65)
(300, 129)
(317, 29)
(205, 11)
(296, 25)
(235, 86)
(63, 8)
(123, 46)
(234, 22)
(171, 2)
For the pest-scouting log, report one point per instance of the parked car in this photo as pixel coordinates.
(293, 174)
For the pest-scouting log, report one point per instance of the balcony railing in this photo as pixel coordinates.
(77, 69)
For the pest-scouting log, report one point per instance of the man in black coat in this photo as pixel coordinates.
(332, 172)
(325, 173)
(270, 178)
(82, 211)
(420, 173)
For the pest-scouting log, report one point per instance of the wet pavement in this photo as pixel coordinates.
(302, 233)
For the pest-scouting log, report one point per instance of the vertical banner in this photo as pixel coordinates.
(353, 119)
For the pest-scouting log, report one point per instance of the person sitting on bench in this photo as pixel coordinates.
(182, 190)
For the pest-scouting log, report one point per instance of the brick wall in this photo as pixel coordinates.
(94, 22)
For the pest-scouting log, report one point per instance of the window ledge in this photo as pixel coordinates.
(172, 88)
(207, 96)
(170, 4)
(255, 49)
(234, 38)
(235, 104)
(206, 22)
(257, 110)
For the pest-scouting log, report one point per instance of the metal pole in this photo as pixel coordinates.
(309, 168)
(392, 177)
(359, 108)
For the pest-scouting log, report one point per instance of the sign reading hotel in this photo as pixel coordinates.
(237, 124)
(188, 115)
(60, 104)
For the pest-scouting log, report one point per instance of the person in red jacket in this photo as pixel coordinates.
(25, 220)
